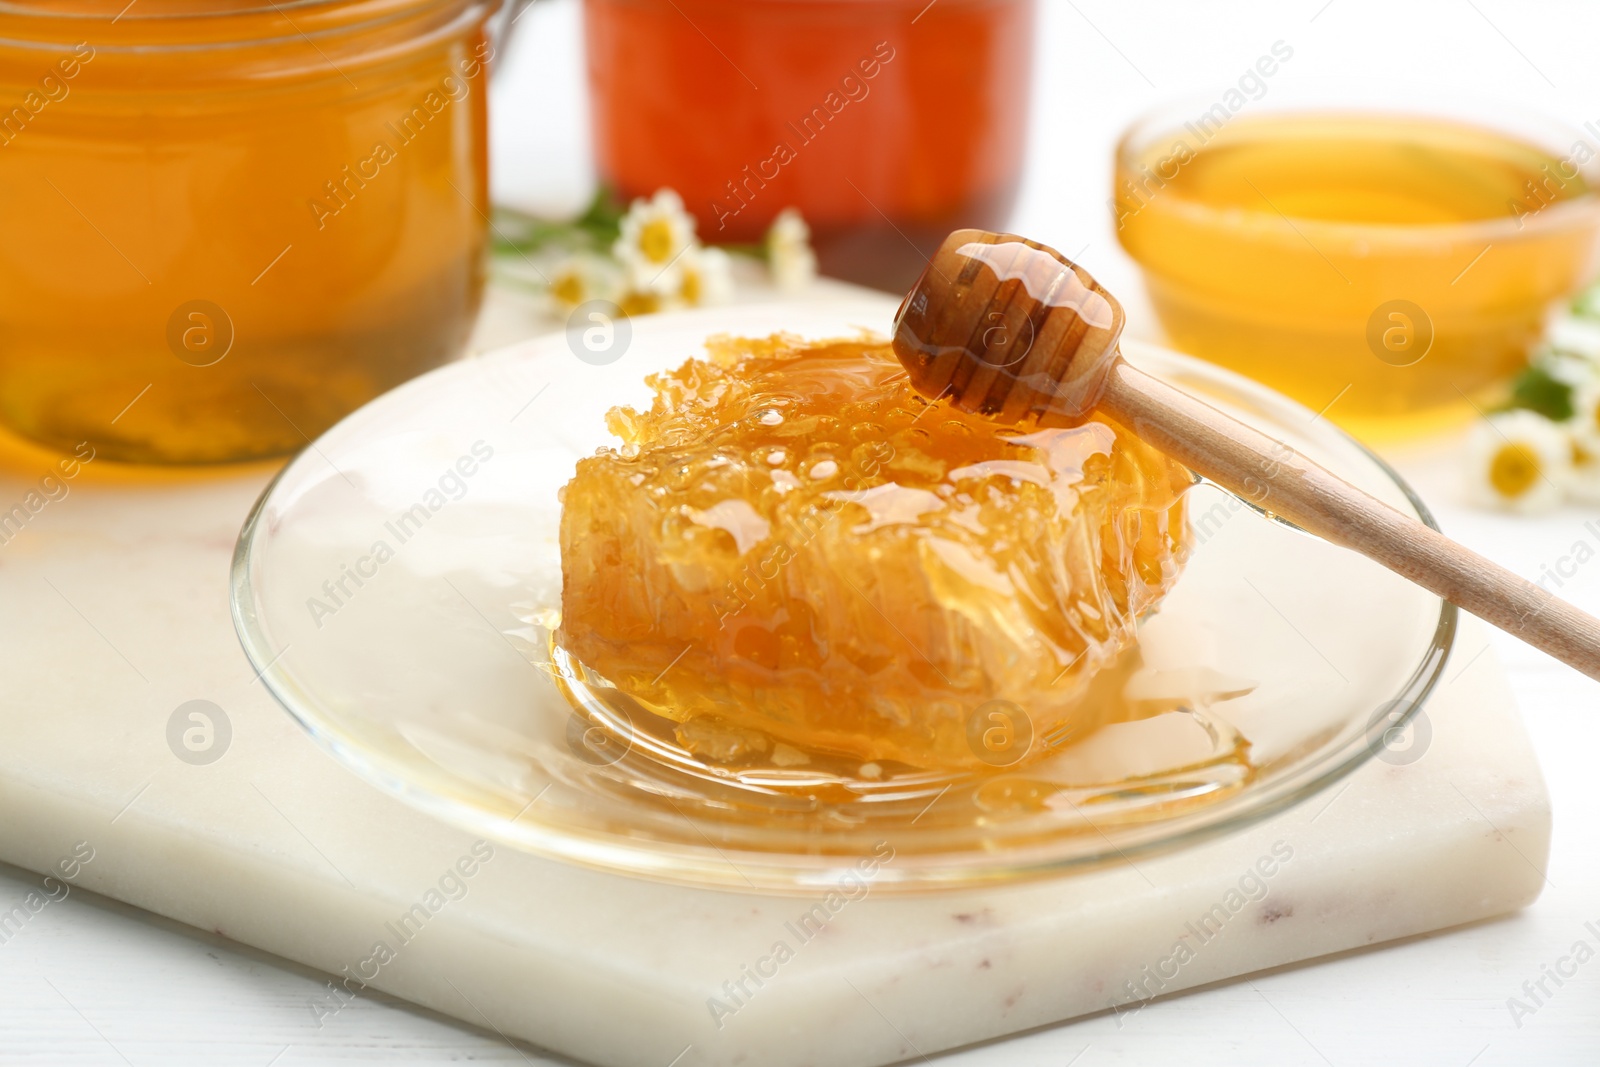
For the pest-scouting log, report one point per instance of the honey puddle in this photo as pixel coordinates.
(1161, 742)
(799, 586)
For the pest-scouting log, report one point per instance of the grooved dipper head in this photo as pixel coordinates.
(1006, 327)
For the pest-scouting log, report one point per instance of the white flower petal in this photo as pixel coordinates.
(1578, 336)
(789, 256)
(1567, 367)
(1584, 426)
(1584, 485)
(789, 228)
(707, 277)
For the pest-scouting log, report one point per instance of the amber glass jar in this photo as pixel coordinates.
(888, 123)
(227, 223)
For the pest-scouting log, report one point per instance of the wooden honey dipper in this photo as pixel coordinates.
(1008, 328)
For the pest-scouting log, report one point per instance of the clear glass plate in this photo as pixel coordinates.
(397, 583)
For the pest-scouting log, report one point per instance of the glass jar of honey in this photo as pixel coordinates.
(230, 222)
(888, 123)
(1388, 261)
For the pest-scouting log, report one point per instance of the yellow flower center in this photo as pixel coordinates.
(640, 303)
(655, 240)
(691, 287)
(568, 288)
(1513, 470)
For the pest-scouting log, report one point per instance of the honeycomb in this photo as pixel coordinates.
(792, 552)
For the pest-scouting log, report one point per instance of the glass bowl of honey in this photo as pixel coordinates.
(401, 591)
(229, 223)
(1387, 258)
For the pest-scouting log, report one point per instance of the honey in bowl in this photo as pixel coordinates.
(1395, 268)
(791, 547)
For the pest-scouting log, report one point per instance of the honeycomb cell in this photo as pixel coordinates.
(793, 550)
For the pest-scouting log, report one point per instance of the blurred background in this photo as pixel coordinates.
(1098, 67)
(1361, 206)
(1297, 264)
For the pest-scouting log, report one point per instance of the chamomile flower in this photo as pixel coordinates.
(707, 277)
(655, 235)
(1565, 366)
(583, 277)
(1518, 461)
(1583, 430)
(1584, 426)
(789, 254)
(1575, 336)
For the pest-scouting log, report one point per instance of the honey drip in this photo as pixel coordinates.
(791, 548)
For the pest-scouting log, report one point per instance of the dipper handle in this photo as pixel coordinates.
(1280, 480)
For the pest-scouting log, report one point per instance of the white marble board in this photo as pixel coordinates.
(116, 614)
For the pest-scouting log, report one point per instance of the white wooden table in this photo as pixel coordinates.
(93, 982)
